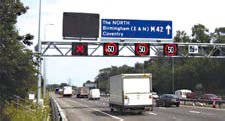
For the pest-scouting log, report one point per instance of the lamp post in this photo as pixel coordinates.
(39, 51)
(44, 64)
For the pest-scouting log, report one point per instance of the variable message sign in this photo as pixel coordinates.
(80, 25)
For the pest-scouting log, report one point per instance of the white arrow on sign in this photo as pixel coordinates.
(168, 28)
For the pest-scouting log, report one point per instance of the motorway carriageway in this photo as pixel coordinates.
(82, 109)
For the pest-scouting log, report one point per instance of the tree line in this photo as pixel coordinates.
(18, 74)
(197, 74)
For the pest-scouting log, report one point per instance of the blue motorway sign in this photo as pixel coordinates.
(123, 28)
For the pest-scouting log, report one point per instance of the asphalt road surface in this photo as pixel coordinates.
(82, 109)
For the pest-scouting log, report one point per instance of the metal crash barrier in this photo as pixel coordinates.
(57, 113)
(203, 102)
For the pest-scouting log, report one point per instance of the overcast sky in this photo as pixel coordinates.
(183, 13)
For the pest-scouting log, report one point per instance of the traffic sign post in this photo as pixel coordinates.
(124, 28)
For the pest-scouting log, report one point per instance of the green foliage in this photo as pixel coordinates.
(181, 36)
(200, 34)
(219, 35)
(17, 69)
(26, 111)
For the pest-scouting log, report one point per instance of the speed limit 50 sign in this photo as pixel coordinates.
(170, 49)
(111, 49)
(142, 49)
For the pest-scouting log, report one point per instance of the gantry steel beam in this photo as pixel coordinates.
(127, 49)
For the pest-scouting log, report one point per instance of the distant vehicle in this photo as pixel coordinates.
(168, 100)
(131, 92)
(57, 91)
(94, 94)
(67, 91)
(182, 93)
(194, 95)
(209, 96)
(60, 91)
(90, 85)
(82, 92)
(155, 95)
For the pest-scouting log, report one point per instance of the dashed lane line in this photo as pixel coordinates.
(194, 112)
(151, 113)
(115, 117)
(162, 108)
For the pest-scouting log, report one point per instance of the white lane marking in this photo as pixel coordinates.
(120, 119)
(194, 112)
(152, 113)
(162, 107)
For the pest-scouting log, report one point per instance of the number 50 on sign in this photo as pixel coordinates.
(170, 49)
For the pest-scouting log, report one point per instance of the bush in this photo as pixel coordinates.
(25, 112)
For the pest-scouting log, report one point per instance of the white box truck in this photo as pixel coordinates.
(94, 94)
(67, 91)
(131, 92)
(82, 92)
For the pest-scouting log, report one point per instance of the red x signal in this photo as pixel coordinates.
(80, 49)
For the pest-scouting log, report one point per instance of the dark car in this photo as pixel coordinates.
(168, 100)
(209, 96)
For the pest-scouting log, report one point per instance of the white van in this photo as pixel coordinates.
(67, 91)
(182, 93)
(94, 94)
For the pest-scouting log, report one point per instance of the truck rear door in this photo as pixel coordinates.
(137, 91)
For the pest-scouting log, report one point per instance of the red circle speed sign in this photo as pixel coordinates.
(170, 49)
(111, 49)
(142, 49)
